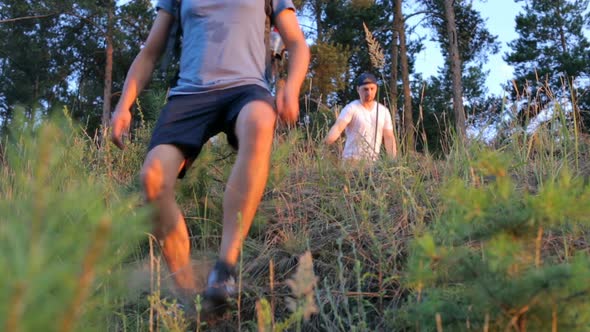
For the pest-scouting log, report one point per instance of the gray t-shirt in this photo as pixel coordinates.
(223, 43)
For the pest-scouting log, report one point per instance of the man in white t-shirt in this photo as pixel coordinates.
(366, 122)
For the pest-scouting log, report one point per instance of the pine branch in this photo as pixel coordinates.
(16, 19)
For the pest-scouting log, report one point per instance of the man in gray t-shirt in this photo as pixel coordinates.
(226, 40)
(221, 88)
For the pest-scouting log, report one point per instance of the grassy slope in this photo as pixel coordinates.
(358, 225)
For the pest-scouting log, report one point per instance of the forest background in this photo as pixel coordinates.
(57, 54)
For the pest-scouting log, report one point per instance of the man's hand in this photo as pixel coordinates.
(288, 104)
(390, 144)
(288, 98)
(120, 126)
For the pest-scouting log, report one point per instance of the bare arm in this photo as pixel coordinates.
(140, 74)
(336, 131)
(288, 101)
(390, 145)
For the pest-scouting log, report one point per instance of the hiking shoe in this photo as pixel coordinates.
(221, 286)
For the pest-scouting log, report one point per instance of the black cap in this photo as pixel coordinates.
(366, 78)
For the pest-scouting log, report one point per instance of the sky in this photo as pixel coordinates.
(499, 16)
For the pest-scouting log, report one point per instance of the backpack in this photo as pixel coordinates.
(274, 52)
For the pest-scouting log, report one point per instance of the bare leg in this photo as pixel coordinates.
(158, 176)
(245, 186)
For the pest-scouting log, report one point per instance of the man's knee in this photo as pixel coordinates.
(264, 124)
(154, 181)
(259, 121)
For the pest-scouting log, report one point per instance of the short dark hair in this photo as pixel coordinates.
(366, 78)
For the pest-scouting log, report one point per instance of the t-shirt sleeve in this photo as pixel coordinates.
(346, 114)
(166, 5)
(280, 5)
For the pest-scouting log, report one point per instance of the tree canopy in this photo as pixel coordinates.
(54, 54)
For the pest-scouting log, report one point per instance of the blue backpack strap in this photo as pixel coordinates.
(173, 43)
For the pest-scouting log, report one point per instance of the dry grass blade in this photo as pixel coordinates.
(375, 51)
(302, 286)
(87, 276)
(17, 308)
(263, 315)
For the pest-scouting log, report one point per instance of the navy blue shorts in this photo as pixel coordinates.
(188, 121)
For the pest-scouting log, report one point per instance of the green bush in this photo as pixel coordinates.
(487, 262)
(64, 231)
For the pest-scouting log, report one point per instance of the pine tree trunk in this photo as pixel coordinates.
(562, 37)
(394, 67)
(108, 77)
(403, 54)
(317, 8)
(456, 76)
(570, 80)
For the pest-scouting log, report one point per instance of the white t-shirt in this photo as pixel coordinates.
(361, 141)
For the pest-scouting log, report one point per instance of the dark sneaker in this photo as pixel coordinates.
(221, 286)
